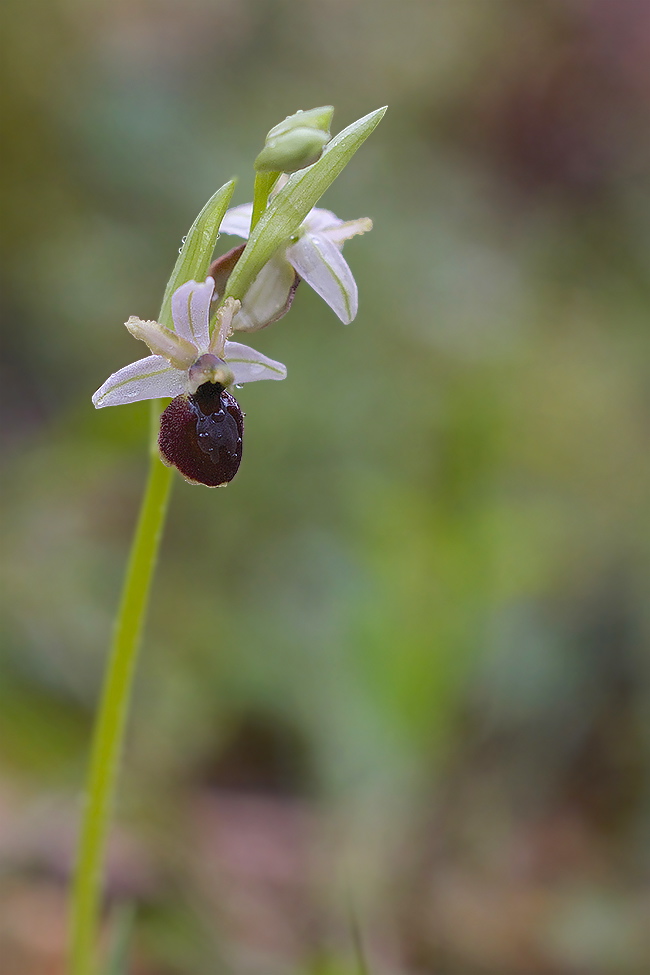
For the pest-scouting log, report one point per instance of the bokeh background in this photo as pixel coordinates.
(394, 695)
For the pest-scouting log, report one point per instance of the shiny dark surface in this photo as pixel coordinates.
(201, 435)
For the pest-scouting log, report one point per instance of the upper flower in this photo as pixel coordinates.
(314, 254)
(187, 358)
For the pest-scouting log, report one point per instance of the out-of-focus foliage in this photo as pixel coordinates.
(397, 674)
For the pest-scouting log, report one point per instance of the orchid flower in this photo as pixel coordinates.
(201, 429)
(314, 254)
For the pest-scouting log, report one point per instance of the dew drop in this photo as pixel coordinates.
(239, 385)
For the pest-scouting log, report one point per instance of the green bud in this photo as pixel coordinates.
(296, 142)
(293, 150)
(314, 118)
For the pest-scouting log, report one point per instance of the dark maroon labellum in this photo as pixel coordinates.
(201, 435)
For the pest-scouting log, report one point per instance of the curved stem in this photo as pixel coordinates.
(110, 726)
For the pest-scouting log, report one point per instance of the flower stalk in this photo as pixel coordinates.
(108, 738)
(264, 183)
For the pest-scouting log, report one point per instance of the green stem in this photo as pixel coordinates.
(108, 737)
(264, 183)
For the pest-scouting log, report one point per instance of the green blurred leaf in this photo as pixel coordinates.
(117, 962)
(363, 968)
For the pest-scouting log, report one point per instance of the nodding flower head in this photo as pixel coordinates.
(202, 428)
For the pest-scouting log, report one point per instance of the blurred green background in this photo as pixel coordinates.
(395, 678)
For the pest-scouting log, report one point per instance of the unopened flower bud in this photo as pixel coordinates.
(296, 142)
(292, 151)
(314, 118)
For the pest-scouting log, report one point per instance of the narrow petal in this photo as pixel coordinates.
(148, 378)
(162, 341)
(321, 264)
(319, 219)
(248, 365)
(269, 297)
(237, 221)
(191, 312)
(344, 231)
(223, 326)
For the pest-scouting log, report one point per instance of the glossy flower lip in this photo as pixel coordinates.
(201, 435)
(185, 358)
(314, 254)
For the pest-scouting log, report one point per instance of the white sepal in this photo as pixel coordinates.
(191, 311)
(148, 378)
(321, 264)
(238, 221)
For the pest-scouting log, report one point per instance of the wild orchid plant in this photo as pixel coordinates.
(195, 362)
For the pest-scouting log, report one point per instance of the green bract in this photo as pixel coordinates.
(289, 207)
(196, 253)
